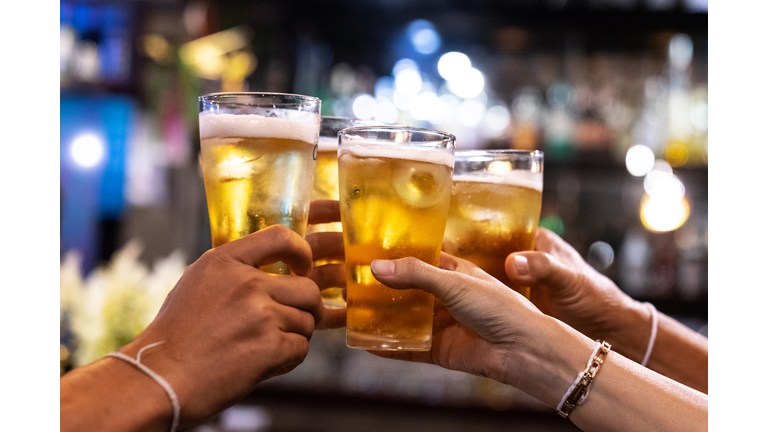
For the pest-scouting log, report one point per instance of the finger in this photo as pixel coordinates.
(452, 263)
(296, 321)
(326, 245)
(270, 245)
(297, 292)
(291, 352)
(324, 211)
(329, 276)
(553, 244)
(332, 319)
(411, 273)
(539, 269)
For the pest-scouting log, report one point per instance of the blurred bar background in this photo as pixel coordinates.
(613, 91)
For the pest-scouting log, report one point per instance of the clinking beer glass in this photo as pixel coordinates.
(327, 186)
(258, 155)
(495, 207)
(394, 185)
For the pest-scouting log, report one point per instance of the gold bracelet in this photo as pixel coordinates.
(580, 388)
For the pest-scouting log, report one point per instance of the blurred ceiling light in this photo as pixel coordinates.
(497, 117)
(470, 113)
(87, 150)
(600, 255)
(680, 51)
(205, 54)
(408, 81)
(663, 185)
(87, 60)
(364, 106)
(639, 160)
(662, 215)
(559, 95)
(700, 115)
(385, 87)
(453, 64)
(386, 111)
(467, 85)
(424, 106)
(157, 48)
(423, 36)
(676, 153)
(403, 99)
(404, 64)
(447, 107)
(67, 45)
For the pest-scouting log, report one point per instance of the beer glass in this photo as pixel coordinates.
(495, 207)
(327, 186)
(394, 186)
(258, 155)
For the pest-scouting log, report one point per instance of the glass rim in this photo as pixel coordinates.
(499, 152)
(221, 96)
(401, 128)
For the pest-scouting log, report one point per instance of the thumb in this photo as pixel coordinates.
(411, 273)
(540, 269)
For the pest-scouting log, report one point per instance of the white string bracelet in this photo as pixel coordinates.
(163, 383)
(654, 330)
(579, 390)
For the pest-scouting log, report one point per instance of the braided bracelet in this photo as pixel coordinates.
(580, 387)
(152, 374)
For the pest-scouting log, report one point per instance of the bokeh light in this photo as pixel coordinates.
(364, 106)
(659, 214)
(471, 112)
(680, 51)
(600, 255)
(453, 64)
(386, 111)
(468, 84)
(87, 150)
(424, 106)
(639, 160)
(497, 117)
(408, 81)
(423, 36)
(663, 185)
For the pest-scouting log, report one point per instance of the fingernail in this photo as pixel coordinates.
(383, 267)
(521, 263)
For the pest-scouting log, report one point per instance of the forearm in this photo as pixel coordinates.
(678, 353)
(110, 394)
(623, 396)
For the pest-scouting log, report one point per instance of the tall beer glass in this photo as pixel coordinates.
(258, 155)
(495, 207)
(327, 186)
(394, 184)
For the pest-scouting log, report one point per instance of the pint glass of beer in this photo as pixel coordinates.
(258, 155)
(495, 207)
(327, 186)
(394, 185)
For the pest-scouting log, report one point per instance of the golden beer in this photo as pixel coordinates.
(258, 172)
(327, 188)
(495, 208)
(394, 204)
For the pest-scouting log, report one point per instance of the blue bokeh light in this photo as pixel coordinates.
(423, 36)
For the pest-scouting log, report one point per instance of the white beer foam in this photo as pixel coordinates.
(302, 127)
(328, 144)
(438, 157)
(514, 178)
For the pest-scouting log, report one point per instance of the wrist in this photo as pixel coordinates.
(94, 397)
(632, 330)
(546, 364)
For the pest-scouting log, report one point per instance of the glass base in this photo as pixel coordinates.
(383, 343)
(333, 298)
